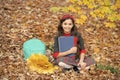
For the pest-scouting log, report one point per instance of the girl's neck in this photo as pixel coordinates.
(67, 34)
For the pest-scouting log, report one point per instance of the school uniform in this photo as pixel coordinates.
(74, 59)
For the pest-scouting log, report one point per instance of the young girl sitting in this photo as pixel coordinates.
(67, 27)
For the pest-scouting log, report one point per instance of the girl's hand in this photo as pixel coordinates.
(73, 50)
(82, 64)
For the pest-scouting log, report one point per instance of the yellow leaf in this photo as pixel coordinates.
(110, 24)
(72, 8)
(113, 17)
(73, 1)
(96, 50)
(79, 2)
(65, 9)
(107, 2)
(80, 21)
(40, 64)
(85, 2)
(84, 17)
(118, 16)
(101, 15)
(117, 4)
(100, 2)
(93, 14)
(55, 9)
(91, 6)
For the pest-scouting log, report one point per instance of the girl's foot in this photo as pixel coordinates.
(75, 68)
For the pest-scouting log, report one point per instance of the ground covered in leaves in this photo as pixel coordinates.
(21, 20)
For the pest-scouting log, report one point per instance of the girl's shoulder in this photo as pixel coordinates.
(78, 34)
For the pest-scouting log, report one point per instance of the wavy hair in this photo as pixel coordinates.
(60, 28)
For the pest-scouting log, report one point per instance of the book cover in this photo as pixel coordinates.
(65, 43)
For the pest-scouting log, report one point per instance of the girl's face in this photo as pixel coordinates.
(67, 25)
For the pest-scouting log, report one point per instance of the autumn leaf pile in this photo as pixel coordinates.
(40, 63)
(21, 20)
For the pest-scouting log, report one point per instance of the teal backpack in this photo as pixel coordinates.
(35, 46)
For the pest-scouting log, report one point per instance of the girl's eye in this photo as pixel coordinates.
(70, 23)
(65, 23)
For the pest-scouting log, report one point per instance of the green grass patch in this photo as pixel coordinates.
(108, 67)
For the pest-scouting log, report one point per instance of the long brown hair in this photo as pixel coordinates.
(74, 31)
(60, 28)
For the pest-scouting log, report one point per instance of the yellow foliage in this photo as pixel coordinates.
(114, 16)
(73, 1)
(100, 2)
(80, 21)
(85, 2)
(101, 15)
(84, 17)
(107, 2)
(105, 10)
(101, 9)
(55, 9)
(113, 7)
(118, 16)
(40, 64)
(91, 6)
(117, 4)
(79, 2)
(97, 11)
(72, 8)
(65, 9)
(110, 24)
(79, 10)
(93, 14)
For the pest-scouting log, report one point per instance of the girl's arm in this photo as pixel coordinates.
(71, 51)
(81, 63)
(82, 56)
(82, 52)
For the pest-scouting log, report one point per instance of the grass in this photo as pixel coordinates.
(108, 67)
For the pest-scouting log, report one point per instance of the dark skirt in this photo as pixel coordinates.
(72, 61)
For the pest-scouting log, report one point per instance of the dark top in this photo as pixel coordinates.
(81, 44)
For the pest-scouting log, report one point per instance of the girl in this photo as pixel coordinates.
(67, 27)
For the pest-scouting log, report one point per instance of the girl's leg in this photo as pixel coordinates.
(64, 65)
